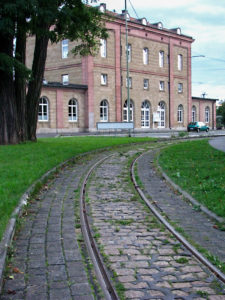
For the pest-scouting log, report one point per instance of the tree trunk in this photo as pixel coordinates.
(35, 85)
(20, 81)
(8, 114)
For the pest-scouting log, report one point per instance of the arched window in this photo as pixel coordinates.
(145, 56)
(104, 108)
(72, 110)
(145, 114)
(180, 113)
(161, 59)
(207, 111)
(162, 115)
(125, 111)
(180, 62)
(43, 110)
(193, 114)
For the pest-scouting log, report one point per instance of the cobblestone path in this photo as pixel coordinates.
(47, 263)
(196, 224)
(142, 255)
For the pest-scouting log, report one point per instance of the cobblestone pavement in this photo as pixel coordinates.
(47, 262)
(196, 224)
(148, 261)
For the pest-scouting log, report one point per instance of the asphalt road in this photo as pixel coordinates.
(218, 143)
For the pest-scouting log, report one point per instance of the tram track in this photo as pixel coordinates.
(102, 273)
(178, 236)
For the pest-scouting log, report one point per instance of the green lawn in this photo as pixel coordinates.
(200, 170)
(21, 165)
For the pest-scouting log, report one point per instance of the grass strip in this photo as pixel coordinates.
(198, 169)
(21, 165)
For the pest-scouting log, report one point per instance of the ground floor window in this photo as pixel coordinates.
(145, 114)
(125, 111)
(72, 110)
(180, 114)
(43, 110)
(207, 114)
(162, 115)
(104, 111)
(193, 114)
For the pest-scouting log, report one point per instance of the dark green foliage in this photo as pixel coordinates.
(221, 112)
(50, 20)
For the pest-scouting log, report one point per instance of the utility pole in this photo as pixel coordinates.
(128, 81)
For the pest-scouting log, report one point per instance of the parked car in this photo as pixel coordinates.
(197, 126)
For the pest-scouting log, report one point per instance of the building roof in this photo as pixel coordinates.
(203, 99)
(64, 86)
(143, 21)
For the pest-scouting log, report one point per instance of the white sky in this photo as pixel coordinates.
(203, 20)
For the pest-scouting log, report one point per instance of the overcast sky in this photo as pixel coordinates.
(204, 20)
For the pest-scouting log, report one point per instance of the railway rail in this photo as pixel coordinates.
(101, 271)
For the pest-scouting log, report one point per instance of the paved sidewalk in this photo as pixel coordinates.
(47, 262)
(196, 224)
(218, 143)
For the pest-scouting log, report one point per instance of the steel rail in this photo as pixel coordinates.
(192, 249)
(100, 270)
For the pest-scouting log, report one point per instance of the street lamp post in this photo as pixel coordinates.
(127, 63)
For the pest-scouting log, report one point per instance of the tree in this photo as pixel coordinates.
(221, 112)
(48, 21)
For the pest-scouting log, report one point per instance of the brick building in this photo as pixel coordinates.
(79, 91)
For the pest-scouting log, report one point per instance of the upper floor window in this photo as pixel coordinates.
(65, 79)
(180, 62)
(72, 110)
(207, 114)
(104, 79)
(129, 53)
(129, 82)
(180, 113)
(104, 111)
(180, 87)
(103, 48)
(65, 48)
(145, 56)
(162, 86)
(161, 59)
(146, 84)
(43, 110)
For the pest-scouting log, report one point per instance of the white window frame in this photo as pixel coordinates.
(162, 115)
(65, 48)
(162, 85)
(180, 62)
(129, 52)
(161, 59)
(145, 56)
(193, 113)
(103, 48)
(180, 87)
(125, 111)
(146, 84)
(145, 114)
(65, 79)
(104, 111)
(130, 82)
(207, 114)
(43, 109)
(72, 110)
(180, 113)
(104, 79)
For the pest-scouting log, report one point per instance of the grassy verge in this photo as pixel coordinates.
(200, 170)
(21, 165)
